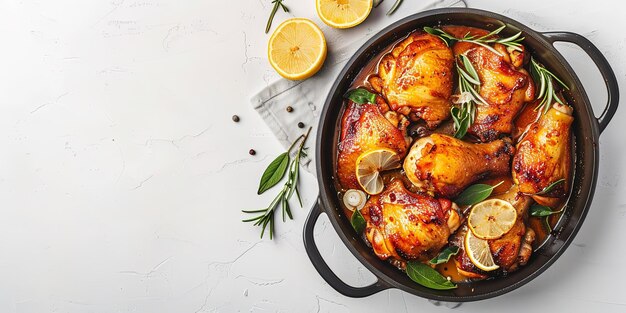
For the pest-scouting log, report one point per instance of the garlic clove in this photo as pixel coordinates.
(354, 199)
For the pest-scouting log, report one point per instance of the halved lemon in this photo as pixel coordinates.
(343, 13)
(297, 49)
(479, 253)
(491, 218)
(370, 164)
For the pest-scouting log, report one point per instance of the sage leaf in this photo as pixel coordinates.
(361, 96)
(475, 193)
(274, 172)
(445, 255)
(550, 187)
(538, 210)
(427, 276)
(358, 221)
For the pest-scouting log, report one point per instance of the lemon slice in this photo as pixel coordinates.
(297, 49)
(479, 253)
(343, 13)
(370, 164)
(491, 218)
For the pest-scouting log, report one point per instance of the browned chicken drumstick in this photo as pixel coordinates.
(366, 127)
(444, 165)
(416, 77)
(510, 251)
(504, 84)
(544, 156)
(402, 225)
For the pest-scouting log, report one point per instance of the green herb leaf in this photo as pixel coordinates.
(546, 90)
(274, 172)
(445, 255)
(540, 210)
(513, 42)
(427, 276)
(550, 187)
(361, 96)
(277, 4)
(394, 7)
(475, 193)
(469, 84)
(358, 221)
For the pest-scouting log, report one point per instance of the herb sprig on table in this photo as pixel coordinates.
(272, 175)
(277, 5)
(394, 7)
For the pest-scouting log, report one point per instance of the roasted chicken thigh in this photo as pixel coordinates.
(366, 127)
(406, 226)
(544, 155)
(504, 85)
(509, 251)
(416, 77)
(444, 165)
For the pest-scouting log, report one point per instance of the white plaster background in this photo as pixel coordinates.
(122, 175)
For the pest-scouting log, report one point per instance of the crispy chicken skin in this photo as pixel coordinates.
(444, 165)
(366, 127)
(544, 155)
(504, 84)
(416, 77)
(402, 225)
(509, 251)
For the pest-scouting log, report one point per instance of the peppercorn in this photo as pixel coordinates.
(252, 152)
(301, 125)
(289, 109)
(235, 118)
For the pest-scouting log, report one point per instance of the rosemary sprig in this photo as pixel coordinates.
(469, 87)
(289, 188)
(394, 7)
(546, 91)
(277, 4)
(513, 42)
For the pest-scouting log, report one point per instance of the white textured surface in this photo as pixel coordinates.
(122, 175)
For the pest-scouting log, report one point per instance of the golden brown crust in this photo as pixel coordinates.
(406, 226)
(445, 165)
(416, 77)
(504, 85)
(364, 128)
(544, 156)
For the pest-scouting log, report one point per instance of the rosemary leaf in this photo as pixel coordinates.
(394, 7)
(546, 80)
(277, 4)
(514, 41)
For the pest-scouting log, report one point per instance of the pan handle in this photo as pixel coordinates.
(325, 271)
(603, 65)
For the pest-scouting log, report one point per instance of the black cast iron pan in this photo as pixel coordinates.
(586, 130)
